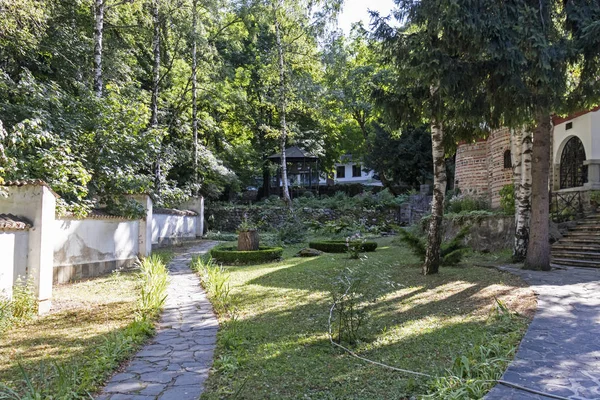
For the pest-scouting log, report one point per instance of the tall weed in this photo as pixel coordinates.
(215, 279)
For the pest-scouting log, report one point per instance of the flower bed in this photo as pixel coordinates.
(341, 246)
(229, 255)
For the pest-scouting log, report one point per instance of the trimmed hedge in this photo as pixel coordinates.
(339, 246)
(230, 255)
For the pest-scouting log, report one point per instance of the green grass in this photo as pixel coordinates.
(277, 346)
(95, 325)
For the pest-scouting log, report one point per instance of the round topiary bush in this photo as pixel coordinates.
(340, 246)
(230, 255)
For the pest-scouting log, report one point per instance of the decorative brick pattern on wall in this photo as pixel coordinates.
(471, 174)
(498, 142)
(480, 166)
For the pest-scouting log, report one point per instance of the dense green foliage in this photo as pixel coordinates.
(229, 255)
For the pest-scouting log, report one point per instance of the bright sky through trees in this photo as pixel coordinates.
(358, 10)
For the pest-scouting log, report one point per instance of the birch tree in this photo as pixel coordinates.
(521, 143)
(436, 84)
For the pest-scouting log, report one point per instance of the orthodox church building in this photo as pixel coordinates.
(485, 167)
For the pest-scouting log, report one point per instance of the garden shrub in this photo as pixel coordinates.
(229, 255)
(292, 231)
(451, 252)
(341, 246)
(467, 202)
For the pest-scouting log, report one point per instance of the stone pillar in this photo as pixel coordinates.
(36, 202)
(196, 204)
(145, 230)
(593, 182)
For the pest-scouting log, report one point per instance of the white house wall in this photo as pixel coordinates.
(582, 128)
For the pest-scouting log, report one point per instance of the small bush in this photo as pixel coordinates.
(341, 246)
(350, 312)
(21, 307)
(451, 252)
(230, 255)
(221, 236)
(292, 231)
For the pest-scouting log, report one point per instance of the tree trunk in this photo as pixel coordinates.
(538, 250)
(248, 241)
(98, 33)
(155, 82)
(522, 197)
(434, 235)
(194, 90)
(282, 116)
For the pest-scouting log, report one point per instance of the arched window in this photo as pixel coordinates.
(572, 171)
(507, 159)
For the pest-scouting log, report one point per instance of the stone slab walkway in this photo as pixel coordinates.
(175, 364)
(560, 353)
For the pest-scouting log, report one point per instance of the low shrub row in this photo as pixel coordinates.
(341, 246)
(229, 255)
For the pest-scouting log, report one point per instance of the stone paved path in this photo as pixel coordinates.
(175, 364)
(560, 353)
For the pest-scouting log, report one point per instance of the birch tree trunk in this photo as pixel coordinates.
(98, 33)
(538, 250)
(523, 197)
(155, 82)
(282, 113)
(194, 88)
(434, 234)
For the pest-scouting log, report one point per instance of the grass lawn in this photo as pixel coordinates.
(277, 345)
(74, 348)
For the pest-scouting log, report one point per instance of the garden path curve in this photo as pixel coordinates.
(175, 363)
(560, 353)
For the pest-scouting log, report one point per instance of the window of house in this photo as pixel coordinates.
(507, 159)
(340, 172)
(356, 171)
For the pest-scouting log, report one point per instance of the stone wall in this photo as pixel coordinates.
(471, 173)
(490, 233)
(480, 166)
(228, 218)
(89, 247)
(170, 228)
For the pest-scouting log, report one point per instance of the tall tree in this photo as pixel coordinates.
(436, 85)
(282, 104)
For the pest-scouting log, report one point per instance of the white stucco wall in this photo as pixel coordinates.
(7, 249)
(582, 128)
(167, 228)
(89, 241)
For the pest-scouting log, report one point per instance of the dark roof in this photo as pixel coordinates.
(172, 211)
(294, 153)
(12, 222)
(30, 182)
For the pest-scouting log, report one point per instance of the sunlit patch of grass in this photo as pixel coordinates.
(94, 326)
(419, 323)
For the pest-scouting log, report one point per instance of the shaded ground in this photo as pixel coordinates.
(278, 346)
(82, 314)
